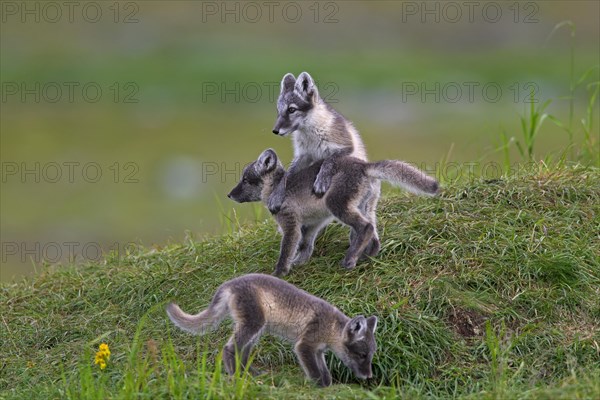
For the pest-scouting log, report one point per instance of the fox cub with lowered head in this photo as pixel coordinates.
(303, 214)
(260, 304)
(320, 134)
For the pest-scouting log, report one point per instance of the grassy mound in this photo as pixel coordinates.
(491, 290)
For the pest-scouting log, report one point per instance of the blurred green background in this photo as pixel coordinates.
(187, 97)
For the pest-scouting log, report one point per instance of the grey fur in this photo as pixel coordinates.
(264, 304)
(303, 214)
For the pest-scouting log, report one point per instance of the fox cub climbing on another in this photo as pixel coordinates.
(264, 304)
(303, 214)
(320, 134)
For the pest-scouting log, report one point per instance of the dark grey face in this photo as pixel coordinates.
(249, 187)
(360, 345)
(251, 184)
(296, 99)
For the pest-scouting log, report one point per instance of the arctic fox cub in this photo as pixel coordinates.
(320, 134)
(303, 214)
(264, 304)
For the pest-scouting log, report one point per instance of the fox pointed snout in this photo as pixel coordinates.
(365, 376)
(279, 128)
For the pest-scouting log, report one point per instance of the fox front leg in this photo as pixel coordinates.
(289, 243)
(326, 173)
(313, 363)
(276, 198)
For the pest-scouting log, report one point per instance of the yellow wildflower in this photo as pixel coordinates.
(102, 355)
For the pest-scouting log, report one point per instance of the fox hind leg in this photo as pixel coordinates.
(347, 210)
(307, 243)
(370, 211)
(363, 234)
(249, 326)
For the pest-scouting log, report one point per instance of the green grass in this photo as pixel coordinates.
(490, 291)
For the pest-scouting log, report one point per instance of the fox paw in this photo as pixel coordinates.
(300, 259)
(321, 185)
(274, 204)
(280, 272)
(348, 263)
(373, 248)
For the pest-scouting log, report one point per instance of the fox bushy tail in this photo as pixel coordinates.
(404, 175)
(203, 321)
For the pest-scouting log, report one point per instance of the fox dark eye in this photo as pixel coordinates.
(245, 180)
(292, 110)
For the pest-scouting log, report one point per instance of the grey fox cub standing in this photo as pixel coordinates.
(303, 215)
(320, 134)
(264, 304)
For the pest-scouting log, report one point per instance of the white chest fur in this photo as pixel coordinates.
(313, 141)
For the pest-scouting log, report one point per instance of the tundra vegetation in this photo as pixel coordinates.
(489, 291)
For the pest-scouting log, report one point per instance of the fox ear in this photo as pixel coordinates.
(266, 161)
(288, 82)
(372, 323)
(356, 328)
(306, 87)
